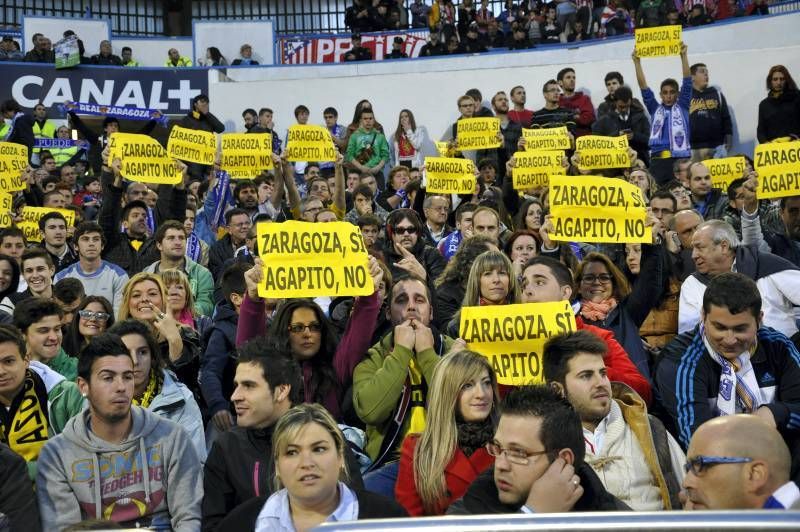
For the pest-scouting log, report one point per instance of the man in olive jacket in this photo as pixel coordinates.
(389, 385)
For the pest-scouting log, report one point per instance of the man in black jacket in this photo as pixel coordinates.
(711, 128)
(405, 248)
(539, 450)
(239, 466)
(201, 119)
(133, 249)
(18, 508)
(21, 131)
(626, 119)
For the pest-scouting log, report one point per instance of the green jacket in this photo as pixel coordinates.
(64, 401)
(200, 282)
(360, 139)
(65, 365)
(378, 387)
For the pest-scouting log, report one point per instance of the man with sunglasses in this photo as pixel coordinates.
(539, 461)
(725, 471)
(99, 277)
(406, 251)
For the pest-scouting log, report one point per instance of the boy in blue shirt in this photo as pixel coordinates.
(669, 130)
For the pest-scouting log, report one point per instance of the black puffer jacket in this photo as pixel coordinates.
(779, 117)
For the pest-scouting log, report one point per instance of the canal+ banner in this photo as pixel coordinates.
(169, 90)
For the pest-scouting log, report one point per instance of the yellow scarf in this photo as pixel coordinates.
(24, 426)
(153, 389)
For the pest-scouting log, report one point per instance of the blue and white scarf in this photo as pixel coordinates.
(222, 191)
(128, 113)
(151, 221)
(49, 144)
(13, 123)
(193, 247)
(728, 402)
(673, 119)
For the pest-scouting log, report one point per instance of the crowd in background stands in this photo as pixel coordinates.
(151, 299)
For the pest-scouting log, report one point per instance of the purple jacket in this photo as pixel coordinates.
(351, 348)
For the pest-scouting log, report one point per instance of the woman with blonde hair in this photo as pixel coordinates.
(310, 474)
(180, 299)
(145, 299)
(491, 282)
(437, 466)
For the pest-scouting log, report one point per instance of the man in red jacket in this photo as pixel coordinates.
(578, 101)
(545, 279)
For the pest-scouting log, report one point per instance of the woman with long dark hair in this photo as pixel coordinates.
(300, 326)
(93, 316)
(779, 112)
(407, 141)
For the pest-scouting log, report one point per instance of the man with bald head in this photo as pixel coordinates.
(726, 471)
(709, 202)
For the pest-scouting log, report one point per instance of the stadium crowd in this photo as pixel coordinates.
(146, 382)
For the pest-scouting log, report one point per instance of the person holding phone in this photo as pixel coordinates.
(626, 119)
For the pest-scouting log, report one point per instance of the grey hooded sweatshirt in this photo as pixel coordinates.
(152, 479)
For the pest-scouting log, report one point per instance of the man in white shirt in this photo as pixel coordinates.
(637, 460)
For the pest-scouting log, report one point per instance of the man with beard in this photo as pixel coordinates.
(405, 249)
(155, 478)
(579, 102)
(642, 462)
(389, 385)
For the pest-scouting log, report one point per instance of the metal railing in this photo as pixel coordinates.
(580, 522)
(130, 17)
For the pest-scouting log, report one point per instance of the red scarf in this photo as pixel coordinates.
(597, 311)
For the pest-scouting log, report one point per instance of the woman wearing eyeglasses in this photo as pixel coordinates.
(93, 316)
(300, 326)
(608, 301)
(438, 465)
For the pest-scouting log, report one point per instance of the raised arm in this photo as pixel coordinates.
(637, 64)
(339, 201)
(685, 61)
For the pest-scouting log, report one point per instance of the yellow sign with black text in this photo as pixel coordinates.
(245, 155)
(143, 159)
(597, 209)
(310, 143)
(551, 138)
(478, 133)
(6, 203)
(192, 145)
(512, 337)
(533, 168)
(13, 160)
(724, 171)
(659, 41)
(304, 259)
(599, 153)
(449, 175)
(30, 220)
(778, 167)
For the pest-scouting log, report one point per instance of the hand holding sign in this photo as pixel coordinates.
(750, 193)
(376, 272)
(658, 42)
(253, 277)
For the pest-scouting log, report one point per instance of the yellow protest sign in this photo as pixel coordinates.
(551, 138)
(597, 152)
(30, 221)
(442, 147)
(192, 145)
(659, 41)
(449, 175)
(143, 159)
(310, 143)
(13, 160)
(478, 133)
(512, 337)
(245, 155)
(778, 167)
(304, 259)
(6, 203)
(597, 209)
(724, 171)
(534, 168)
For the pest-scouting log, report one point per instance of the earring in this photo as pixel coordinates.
(84, 395)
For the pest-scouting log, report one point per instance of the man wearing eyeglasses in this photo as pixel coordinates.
(731, 364)
(738, 463)
(99, 277)
(539, 462)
